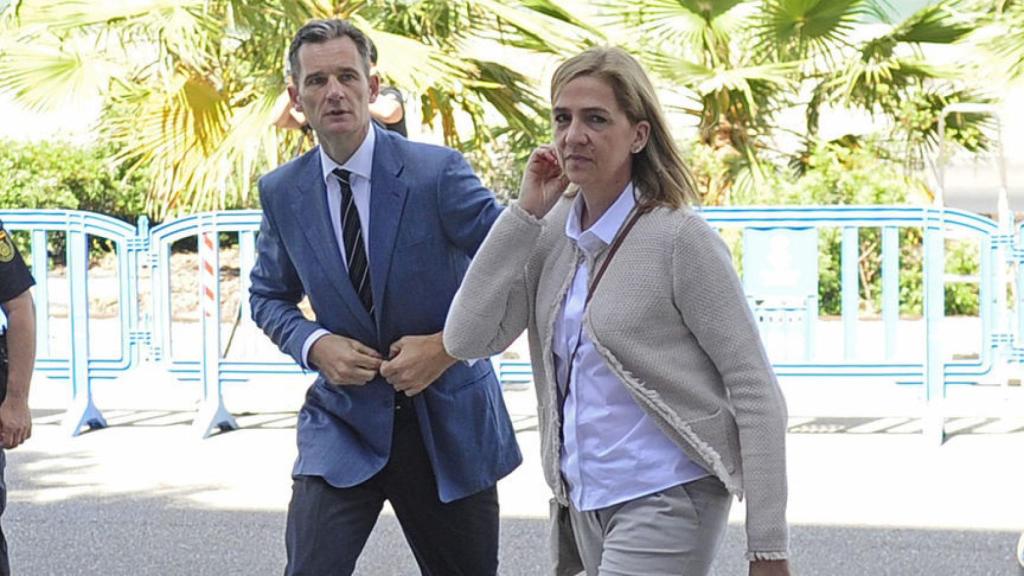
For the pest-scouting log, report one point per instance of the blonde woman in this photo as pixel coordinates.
(656, 401)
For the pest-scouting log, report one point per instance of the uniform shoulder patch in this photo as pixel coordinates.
(6, 247)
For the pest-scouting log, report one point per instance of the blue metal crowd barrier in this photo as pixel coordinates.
(78, 366)
(783, 295)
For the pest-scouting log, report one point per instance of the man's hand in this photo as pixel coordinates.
(344, 361)
(769, 568)
(15, 422)
(416, 361)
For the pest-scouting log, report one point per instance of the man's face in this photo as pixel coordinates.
(334, 91)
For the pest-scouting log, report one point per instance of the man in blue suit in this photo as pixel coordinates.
(377, 232)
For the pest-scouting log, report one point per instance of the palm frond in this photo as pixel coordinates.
(537, 25)
(1004, 40)
(61, 16)
(203, 154)
(416, 65)
(289, 15)
(661, 22)
(802, 28)
(969, 130)
(881, 10)
(46, 75)
(559, 13)
(880, 82)
(512, 95)
(935, 24)
(706, 79)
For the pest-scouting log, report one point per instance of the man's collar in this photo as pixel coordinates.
(359, 163)
(608, 225)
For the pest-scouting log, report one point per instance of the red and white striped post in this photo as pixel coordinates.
(209, 264)
(212, 414)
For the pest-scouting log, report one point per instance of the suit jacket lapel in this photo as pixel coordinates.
(387, 201)
(309, 206)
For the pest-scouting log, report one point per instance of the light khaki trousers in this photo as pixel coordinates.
(675, 532)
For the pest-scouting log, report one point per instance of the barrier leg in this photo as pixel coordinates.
(211, 415)
(935, 310)
(82, 412)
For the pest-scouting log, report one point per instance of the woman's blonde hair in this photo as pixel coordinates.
(659, 173)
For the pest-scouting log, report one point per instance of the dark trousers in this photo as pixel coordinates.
(5, 565)
(328, 526)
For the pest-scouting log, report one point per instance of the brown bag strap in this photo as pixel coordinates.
(611, 252)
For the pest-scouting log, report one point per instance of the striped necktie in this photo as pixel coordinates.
(352, 233)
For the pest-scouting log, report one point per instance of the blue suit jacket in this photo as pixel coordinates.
(428, 215)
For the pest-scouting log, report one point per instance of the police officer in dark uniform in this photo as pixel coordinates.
(17, 358)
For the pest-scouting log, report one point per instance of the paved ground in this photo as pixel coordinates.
(145, 497)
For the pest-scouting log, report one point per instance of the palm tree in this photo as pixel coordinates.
(1003, 34)
(889, 75)
(191, 88)
(747, 62)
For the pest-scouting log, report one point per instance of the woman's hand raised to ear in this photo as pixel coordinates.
(543, 182)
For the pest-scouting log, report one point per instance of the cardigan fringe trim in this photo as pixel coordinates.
(561, 493)
(754, 556)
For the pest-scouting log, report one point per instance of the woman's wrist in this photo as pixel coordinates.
(532, 208)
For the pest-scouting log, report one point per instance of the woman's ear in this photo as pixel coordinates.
(641, 133)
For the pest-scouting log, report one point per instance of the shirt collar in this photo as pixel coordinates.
(360, 163)
(607, 226)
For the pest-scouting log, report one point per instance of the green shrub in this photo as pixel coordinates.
(57, 175)
(962, 298)
(66, 176)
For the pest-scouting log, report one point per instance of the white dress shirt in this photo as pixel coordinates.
(360, 164)
(612, 451)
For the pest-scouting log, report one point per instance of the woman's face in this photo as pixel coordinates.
(594, 137)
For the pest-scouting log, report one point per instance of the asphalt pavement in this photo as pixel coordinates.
(868, 496)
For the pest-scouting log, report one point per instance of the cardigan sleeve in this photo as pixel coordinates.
(492, 307)
(714, 307)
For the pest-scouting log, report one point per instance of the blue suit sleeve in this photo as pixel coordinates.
(468, 209)
(275, 292)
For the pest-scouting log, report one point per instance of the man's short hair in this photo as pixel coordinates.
(319, 31)
(373, 53)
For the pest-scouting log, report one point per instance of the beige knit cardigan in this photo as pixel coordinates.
(671, 320)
